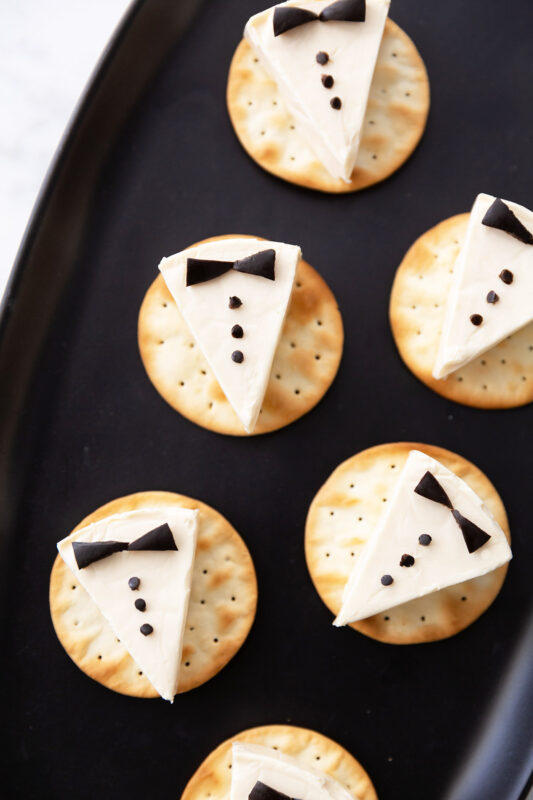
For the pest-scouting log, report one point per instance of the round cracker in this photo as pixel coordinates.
(213, 777)
(221, 607)
(500, 378)
(341, 519)
(396, 114)
(306, 360)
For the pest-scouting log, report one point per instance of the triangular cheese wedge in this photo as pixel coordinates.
(465, 541)
(483, 306)
(290, 59)
(253, 764)
(164, 585)
(259, 311)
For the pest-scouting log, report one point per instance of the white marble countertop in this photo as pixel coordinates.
(48, 50)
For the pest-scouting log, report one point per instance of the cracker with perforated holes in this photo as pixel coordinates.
(397, 110)
(500, 378)
(212, 779)
(221, 607)
(341, 519)
(306, 360)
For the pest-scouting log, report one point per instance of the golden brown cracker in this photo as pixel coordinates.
(304, 366)
(213, 777)
(341, 519)
(221, 607)
(397, 110)
(500, 378)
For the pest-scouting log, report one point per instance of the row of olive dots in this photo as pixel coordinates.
(140, 605)
(327, 80)
(406, 560)
(507, 277)
(237, 332)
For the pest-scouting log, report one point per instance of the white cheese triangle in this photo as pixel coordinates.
(165, 582)
(290, 60)
(485, 253)
(283, 773)
(205, 308)
(444, 562)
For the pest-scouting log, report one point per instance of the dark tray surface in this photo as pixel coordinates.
(151, 165)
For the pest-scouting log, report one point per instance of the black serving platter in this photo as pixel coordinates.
(149, 165)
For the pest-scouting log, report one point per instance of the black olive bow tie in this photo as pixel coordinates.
(159, 538)
(500, 216)
(430, 488)
(288, 17)
(262, 264)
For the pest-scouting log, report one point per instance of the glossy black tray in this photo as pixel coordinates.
(149, 165)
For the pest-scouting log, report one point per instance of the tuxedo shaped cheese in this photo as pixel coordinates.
(140, 588)
(435, 532)
(328, 98)
(492, 289)
(236, 317)
(262, 773)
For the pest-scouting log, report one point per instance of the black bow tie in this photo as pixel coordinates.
(261, 791)
(159, 538)
(200, 270)
(287, 17)
(499, 215)
(430, 488)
